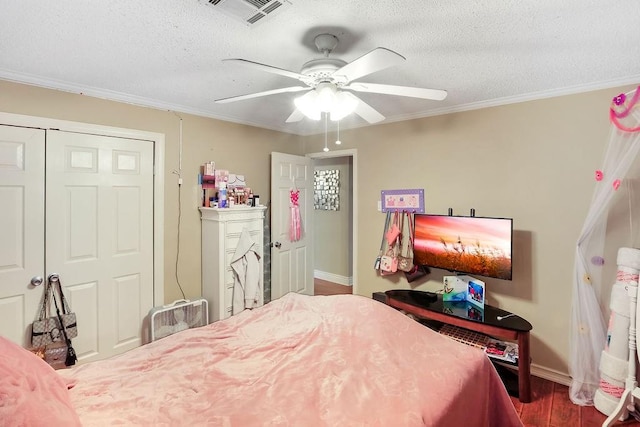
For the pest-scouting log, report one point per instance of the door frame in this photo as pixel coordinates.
(353, 153)
(158, 140)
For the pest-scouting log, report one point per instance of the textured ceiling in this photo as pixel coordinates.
(168, 54)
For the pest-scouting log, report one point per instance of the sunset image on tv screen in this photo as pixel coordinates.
(470, 245)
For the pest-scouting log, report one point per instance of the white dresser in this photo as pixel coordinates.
(221, 230)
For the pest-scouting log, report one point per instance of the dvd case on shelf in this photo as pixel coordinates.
(502, 350)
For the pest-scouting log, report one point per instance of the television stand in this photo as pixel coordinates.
(513, 328)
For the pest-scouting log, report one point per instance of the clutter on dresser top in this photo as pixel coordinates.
(222, 189)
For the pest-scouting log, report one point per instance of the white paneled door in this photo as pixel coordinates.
(21, 227)
(291, 261)
(98, 237)
(99, 232)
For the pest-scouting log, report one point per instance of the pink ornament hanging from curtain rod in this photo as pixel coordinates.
(620, 109)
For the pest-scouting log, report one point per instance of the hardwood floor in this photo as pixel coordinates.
(323, 287)
(550, 405)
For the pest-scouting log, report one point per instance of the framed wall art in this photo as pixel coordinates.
(403, 200)
(326, 190)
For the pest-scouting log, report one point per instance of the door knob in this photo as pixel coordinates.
(277, 244)
(36, 280)
(53, 277)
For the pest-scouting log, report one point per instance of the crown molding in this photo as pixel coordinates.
(109, 95)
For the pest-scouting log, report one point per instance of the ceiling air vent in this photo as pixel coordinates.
(250, 12)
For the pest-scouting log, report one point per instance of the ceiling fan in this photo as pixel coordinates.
(330, 81)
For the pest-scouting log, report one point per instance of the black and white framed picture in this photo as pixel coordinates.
(326, 190)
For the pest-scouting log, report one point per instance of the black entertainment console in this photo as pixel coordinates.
(495, 322)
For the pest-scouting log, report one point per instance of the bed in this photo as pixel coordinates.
(340, 360)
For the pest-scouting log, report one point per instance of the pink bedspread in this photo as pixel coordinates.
(341, 360)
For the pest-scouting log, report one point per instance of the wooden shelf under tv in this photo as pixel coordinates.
(512, 328)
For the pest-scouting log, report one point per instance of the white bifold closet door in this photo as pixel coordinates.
(81, 206)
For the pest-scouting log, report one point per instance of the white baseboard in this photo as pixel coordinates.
(335, 278)
(546, 373)
(550, 374)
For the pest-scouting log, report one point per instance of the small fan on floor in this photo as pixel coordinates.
(178, 316)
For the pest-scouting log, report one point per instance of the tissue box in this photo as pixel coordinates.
(464, 288)
(454, 289)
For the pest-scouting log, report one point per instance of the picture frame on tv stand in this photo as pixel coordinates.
(464, 288)
(475, 291)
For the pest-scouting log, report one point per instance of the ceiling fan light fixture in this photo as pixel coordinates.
(332, 84)
(326, 98)
(343, 106)
(307, 105)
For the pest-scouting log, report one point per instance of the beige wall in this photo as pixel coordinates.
(531, 161)
(332, 229)
(241, 149)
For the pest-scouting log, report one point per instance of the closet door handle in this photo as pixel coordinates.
(36, 280)
(277, 244)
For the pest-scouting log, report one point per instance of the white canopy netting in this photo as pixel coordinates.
(609, 224)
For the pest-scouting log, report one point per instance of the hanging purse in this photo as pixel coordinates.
(56, 355)
(405, 262)
(42, 329)
(393, 231)
(389, 261)
(378, 261)
(47, 330)
(417, 272)
(66, 333)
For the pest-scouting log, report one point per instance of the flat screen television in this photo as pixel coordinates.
(464, 244)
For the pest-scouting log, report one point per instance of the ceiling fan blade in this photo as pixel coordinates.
(296, 116)
(268, 68)
(259, 94)
(365, 110)
(414, 92)
(376, 60)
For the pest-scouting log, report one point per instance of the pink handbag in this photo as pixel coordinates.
(388, 263)
(394, 231)
(405, 262)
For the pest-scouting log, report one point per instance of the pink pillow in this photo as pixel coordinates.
(31, 392)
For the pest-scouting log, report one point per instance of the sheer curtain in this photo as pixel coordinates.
(590, 288)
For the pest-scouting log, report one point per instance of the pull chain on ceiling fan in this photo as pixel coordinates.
(330, 81)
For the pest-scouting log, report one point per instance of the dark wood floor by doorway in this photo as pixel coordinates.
(550, 405)
(324, 287)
